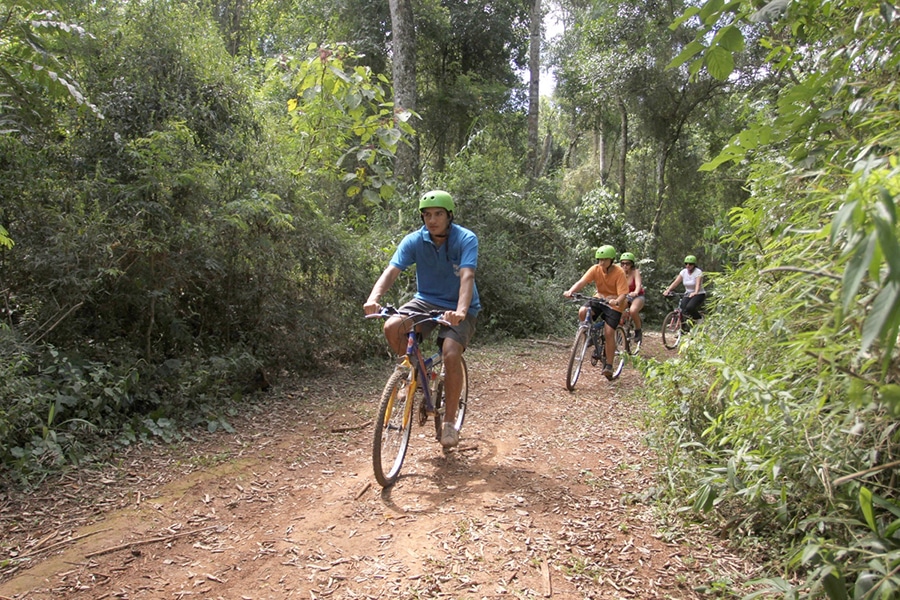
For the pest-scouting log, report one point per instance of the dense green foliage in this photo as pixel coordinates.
(784, 409)
(195, 201)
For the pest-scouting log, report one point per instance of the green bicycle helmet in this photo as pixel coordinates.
(690, 259)
(605, 252)
(436, 199)
(627, 256)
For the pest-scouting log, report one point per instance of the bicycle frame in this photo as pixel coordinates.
(423, 366)
(672, 323)
(595, 332)
(414, 361)
(399, 402)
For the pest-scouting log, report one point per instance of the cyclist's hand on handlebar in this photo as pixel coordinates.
(567, 294)
(370, 308)
(454, 317)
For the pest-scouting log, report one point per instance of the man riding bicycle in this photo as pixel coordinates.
(612, 285)
(445, 255)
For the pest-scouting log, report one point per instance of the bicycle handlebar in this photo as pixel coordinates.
(389, 311)
(579, 297)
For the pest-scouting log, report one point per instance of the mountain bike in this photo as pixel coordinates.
(676, 323)
(591, 335)
(415, 375)
(627, 324)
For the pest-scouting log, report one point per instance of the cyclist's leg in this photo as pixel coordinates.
(695, 305)
(637, 304)
(594, 306)
(453, 341)
(452, 357)
(583, 312)
(611, 318)
(395, 330)
(692, 306)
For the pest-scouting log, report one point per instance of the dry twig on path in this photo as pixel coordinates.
(59, 543)
(165, 538)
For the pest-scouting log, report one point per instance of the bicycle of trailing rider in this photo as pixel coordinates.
(676, 322)
(396, 411)
(627, 324)
(590, 334)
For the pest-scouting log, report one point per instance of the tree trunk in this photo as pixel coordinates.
(545, 155)
(623, 154)
(534, 98)
(661, 160)
(600, 155)
(403, 43)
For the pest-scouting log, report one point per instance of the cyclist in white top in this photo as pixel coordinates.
(694, 294)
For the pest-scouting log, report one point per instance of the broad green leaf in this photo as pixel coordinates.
(834, 586)
(865, 505)
(691, 50)
(730, 38)
(842, 218)
(879, 316)
(687, 14)
(719, 63)
(709, 12)
(5, 240)
(856, 269)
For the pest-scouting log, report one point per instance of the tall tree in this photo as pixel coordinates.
(619, 65)
(469, 52)
(403, 44)
(534, 95)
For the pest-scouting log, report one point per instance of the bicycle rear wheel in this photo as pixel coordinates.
(439, 402)
(621, 352)
(392, 428)
(671, 330)
(579, 347)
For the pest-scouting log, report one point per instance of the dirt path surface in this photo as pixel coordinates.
(549, 496)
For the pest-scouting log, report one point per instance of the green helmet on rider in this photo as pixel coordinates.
(629, 256)
(606, 251)
(690, 259)
(437, 199)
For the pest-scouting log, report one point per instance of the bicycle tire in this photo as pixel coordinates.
(463, 402)
(392, 428)
(622, 351)
(671, 330)
(576, 358)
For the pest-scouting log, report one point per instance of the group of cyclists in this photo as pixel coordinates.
(620, 291)
(446, 256)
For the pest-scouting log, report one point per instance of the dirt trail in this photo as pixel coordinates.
(549, 495)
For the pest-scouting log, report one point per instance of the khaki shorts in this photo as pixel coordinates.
(461, 333)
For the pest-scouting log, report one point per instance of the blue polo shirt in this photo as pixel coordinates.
(437, 268)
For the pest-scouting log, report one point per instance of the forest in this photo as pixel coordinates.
(197, 196)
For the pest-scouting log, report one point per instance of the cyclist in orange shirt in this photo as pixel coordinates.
(612, 286)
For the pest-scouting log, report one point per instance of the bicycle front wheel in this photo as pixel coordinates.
(392, 428)
(671, 330)
(622, 349)
(439, 402)
(579, 347)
